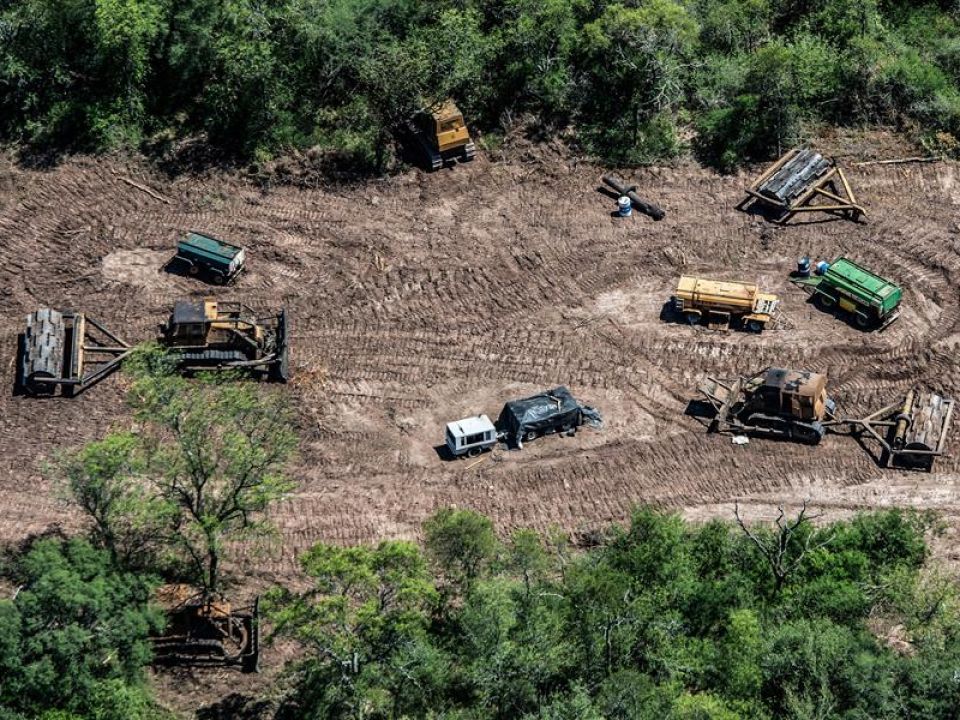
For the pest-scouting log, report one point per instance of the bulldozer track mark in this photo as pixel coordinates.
(453, 294)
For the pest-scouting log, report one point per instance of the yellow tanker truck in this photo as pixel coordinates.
(722, 303)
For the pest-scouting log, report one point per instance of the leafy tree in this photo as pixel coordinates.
(107, 479)
(462, 543)
(364, 626)
(203, 470)
(74, 637)
(218, 450)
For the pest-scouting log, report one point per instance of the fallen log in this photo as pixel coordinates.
(143, 188)
(647, 208)
(900, 161)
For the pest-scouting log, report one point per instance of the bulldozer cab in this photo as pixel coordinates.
(796, 394)
(189, 322)
(444, 124)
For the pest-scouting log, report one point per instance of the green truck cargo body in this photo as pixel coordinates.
(861, 285)
(873, 300)
(205, 253)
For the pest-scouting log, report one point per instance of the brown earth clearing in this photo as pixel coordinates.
(424, 298)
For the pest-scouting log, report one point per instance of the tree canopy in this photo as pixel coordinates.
(662, 619)
(201, 471)
(74, 637)
(638, 80)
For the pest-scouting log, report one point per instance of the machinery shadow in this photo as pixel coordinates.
(19, 386)
(672, 317)
(836, 313)
(701, 411)
(178, 268)
(443, 452)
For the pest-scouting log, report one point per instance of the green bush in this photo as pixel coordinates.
(664, 619)
(631, 77)
(74, 639)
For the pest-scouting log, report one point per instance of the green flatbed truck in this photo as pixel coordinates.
(201, 254)
(873, 302)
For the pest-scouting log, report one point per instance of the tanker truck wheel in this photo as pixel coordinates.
(824, 301)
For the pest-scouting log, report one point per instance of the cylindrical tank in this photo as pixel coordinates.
(624, 206)
(716, 294)
(822, 267)
(803, 266)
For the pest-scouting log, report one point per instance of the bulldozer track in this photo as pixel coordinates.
(422, 298)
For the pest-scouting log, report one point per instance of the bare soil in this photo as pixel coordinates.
(424, 298)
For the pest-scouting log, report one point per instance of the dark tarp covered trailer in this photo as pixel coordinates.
(550, 411)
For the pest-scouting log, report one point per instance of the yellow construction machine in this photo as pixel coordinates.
(209, 334)
(441, 134)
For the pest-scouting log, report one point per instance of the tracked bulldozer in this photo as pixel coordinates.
(212, 335)
(911, 431)
(207, 630)
(441, 134)
(790, 404)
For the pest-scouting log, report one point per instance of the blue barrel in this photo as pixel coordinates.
(803, 266)
(822, 267)
(624, 206)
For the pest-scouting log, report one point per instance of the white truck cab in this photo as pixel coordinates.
(470, 436)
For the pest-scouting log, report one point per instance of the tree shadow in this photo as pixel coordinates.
(237, 706)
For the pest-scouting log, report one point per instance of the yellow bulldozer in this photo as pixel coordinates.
(209, 335)
(440, 134)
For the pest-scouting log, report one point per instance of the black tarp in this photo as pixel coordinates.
(550, 410)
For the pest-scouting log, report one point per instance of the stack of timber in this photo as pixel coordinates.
(799, 178)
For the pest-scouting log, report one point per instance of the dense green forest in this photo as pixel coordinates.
(636, 80)
(660, 619)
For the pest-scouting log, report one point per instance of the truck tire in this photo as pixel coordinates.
(861, 321)
(824, 301)
(218, 278)
(755, 326)
(193, 269)
(530, 435)
(473, 452)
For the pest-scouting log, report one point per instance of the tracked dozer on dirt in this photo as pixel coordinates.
(783, 403)
(791, 404)
(441, 135)
(66, 350)
(203, 630)
(212, 335)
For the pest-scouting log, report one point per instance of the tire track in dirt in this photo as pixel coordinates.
(457, 291)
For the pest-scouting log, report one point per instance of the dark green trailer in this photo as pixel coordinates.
(206, 255)
(872, 301)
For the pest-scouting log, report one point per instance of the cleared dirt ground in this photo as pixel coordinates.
(424, 298)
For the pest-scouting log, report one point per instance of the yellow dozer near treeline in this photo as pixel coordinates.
(440, 135)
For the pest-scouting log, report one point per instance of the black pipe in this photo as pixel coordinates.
(643, 206)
